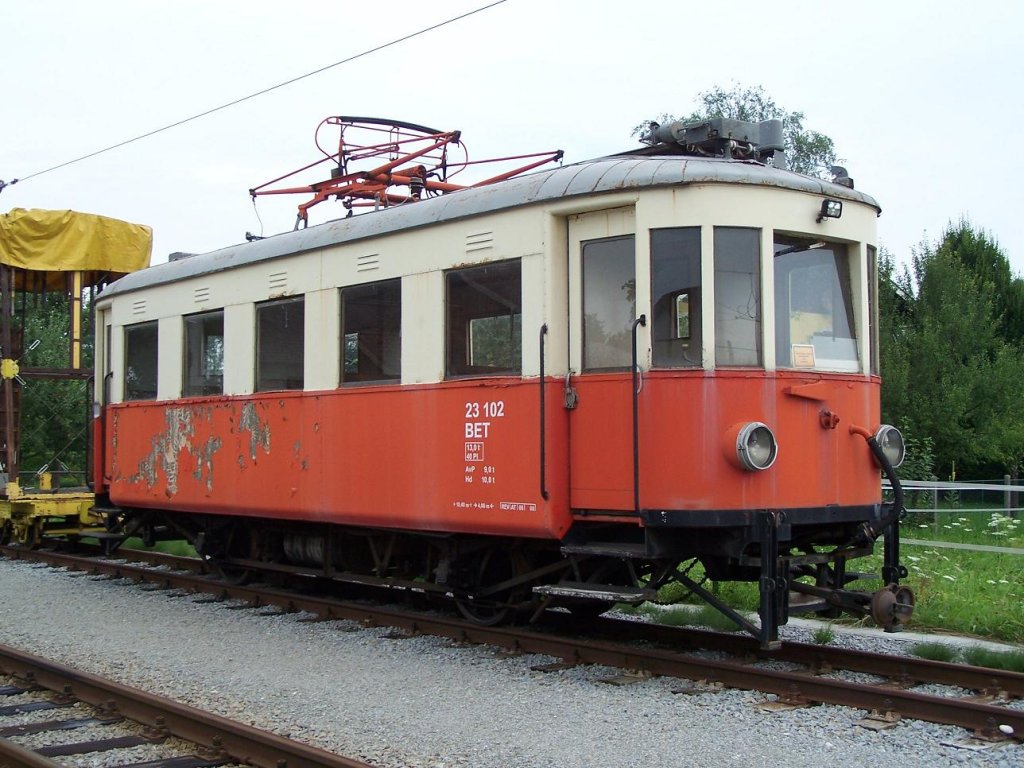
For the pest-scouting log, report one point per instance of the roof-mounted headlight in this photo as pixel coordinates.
(756, 448)
(890, 440)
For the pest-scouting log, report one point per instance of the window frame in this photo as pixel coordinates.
(613, 351)
(128, 392)
(188, 386)
(671, 349)
(298, 349)
(391, 326)
(756, 295)
(458, 334)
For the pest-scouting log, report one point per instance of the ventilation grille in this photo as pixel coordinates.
(479, 241)
(277, 281)
(368, 263)
(201, 295)
(139, 307)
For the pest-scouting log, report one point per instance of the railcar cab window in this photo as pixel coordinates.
(609, 302)
(371, 332)
(737, 297)
(814, 318)
(204, 354)
(484, 309)
(279, 344)
(676, 297)
(873, 307)
(140, 361)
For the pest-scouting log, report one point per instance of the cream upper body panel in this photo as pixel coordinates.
(526, 218)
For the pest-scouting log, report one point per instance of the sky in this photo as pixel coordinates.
(922, 99)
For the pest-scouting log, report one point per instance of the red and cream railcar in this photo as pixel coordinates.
(559, 387)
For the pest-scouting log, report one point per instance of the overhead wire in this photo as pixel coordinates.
(262, 92)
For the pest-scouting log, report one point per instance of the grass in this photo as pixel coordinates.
(986, 657)
(936, 651)
(975, 655)
(824, 635)
(179, 548)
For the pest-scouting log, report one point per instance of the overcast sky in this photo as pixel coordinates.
(922, 99)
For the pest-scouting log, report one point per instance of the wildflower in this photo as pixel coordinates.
(991, 581)
(922, 525)
(948, 577)
(913, 559)
(1003, 581)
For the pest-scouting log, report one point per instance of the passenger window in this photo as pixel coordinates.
(204, 354)
(279, 344)
(484, 315)
(140, 361)
(371, 332)
(609, 302)
(814, 325)
(676, 297)
(737, 297)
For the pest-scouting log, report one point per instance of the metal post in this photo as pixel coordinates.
(1007, 501)
(10, 457)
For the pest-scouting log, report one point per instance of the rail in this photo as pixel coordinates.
(611, 645)
(220, 736)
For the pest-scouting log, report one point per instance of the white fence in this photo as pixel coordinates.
(950, 499)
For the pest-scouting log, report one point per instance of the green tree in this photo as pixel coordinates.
(950, 373)
(983, 257)
(807, 151)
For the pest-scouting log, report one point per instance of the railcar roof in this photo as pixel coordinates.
(616, 173)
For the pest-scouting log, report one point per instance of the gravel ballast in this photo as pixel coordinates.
(425, 701)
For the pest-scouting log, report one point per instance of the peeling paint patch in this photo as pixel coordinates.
(259, 434)
(204, 462)
(167, 447)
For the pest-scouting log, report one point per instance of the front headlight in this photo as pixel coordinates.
(890, 440)
(755, 446)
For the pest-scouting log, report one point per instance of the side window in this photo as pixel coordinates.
(609, 302)
(873, 327)
(140, 361)
(371, 332)
(676, 297)
(484, 315)
(204, 354)
(279, 344)
(737, 297)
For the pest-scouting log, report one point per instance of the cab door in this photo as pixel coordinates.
(602, 308)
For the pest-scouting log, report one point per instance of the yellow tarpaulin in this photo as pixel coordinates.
(68, 241)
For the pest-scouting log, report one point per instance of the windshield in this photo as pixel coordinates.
(814, 318)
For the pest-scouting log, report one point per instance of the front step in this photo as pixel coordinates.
(607, 549)
(606, 593)
(801, 603)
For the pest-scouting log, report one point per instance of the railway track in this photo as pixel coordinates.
(87, 714)
(985, 701)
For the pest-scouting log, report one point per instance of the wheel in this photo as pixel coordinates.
(29, 535)
(491, 568)
(240, 544)
(6, 531)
